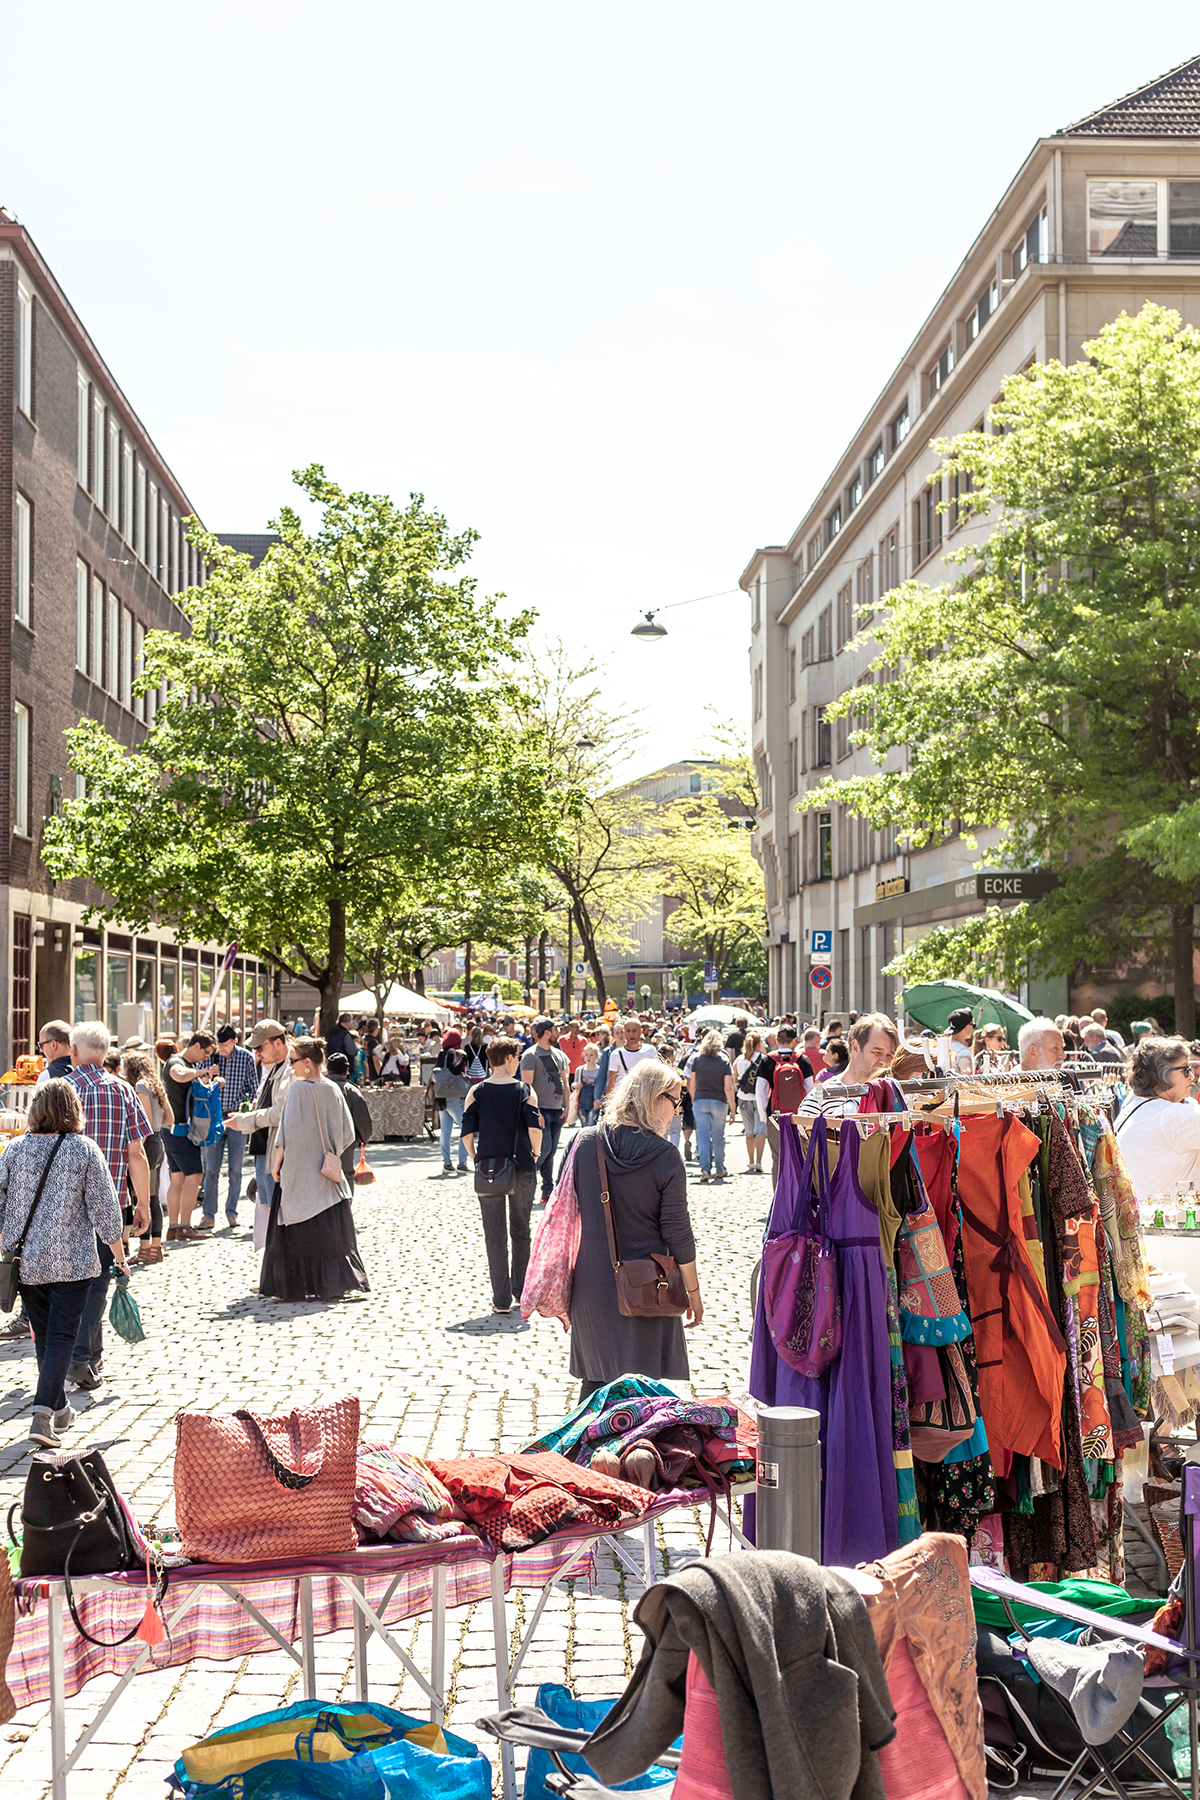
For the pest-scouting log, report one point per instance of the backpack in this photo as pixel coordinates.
(787, 1083)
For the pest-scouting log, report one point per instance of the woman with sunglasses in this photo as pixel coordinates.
(1158, 1127)
(312, 1249)
(648, 1198)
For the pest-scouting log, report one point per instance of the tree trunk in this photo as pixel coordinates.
(467, 973)
(542, 971)
(528, 969)
(334, 979)
(1183, 945)
(587, 944)
(569, 984)
(418, 979)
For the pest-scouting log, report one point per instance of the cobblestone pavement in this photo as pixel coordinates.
(435, 1372)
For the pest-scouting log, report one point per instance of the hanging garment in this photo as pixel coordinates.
(772, 1380)
(881, 1161)
(1122, 1221)
(860, 1497)
(1021, 1354)
(935, 1152)
(925, 1607)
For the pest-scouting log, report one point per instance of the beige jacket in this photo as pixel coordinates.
(266, 1115)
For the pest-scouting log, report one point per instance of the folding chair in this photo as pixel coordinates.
(1185, 1686)
(536, 1730)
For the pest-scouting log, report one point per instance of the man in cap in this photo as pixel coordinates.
(547, 1071)
(262, 1122)
(961, 1027)
(239, 1082)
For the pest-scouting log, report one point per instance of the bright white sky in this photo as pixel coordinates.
(612, 284)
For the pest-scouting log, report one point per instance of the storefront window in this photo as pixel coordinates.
(167, 999)
(143, 985)
(187, 1000)
(235, 1000)
(206, 988)
(118, 988)
(262, 998)
(87, 985)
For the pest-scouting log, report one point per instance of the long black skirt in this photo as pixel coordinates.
(315, 1260)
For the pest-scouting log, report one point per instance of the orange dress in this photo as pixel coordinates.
(1022, 1356)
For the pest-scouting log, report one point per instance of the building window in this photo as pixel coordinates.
(758, 603)
(82, 414)
(791, 676)
(941, 371)
(844, 967)
(1183, 218)
(864, 593)
(875, 463)
(127, 493)
(1123, 218)
(1034, 247)
(114, 471)
(825, 635)
(81, 616)
(24, 594)
(793, 766)
(822, 744)
(22, 997)
(127, 662)
(814, 551)
(758, 692)
(98, 441)
(833, 524)
(21, 770)
(845, 615)
(854, 493)
(898, 429)
(114, 646)
(24, 370)
(889, 561)
(97, 631)
(824, 846)
(152, 531)
(982, 311)
(139, 641)
(927, 521)
(842, 735)
(806, 648)
(960, 487)
(141, 512)
(793, 863)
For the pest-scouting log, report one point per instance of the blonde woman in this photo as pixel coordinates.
(744, 1074)
(648, 1197)
(140, 1069)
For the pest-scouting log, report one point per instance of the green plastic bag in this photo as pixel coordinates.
(1097, 1596)
(123, 1314)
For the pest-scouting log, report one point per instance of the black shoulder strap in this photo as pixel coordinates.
(20, 1243)
(1126, 1116)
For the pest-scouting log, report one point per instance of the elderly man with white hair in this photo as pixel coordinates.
(113, 1116)
(1041, 1045)
(1096, 1044)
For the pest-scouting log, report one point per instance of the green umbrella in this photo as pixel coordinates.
(931, 1003)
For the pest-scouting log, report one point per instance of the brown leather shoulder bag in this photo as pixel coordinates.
(648, 1287)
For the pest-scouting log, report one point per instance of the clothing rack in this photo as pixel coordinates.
(1048, 1083)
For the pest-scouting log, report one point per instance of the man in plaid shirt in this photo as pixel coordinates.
(239, 1081)
(112, 1116)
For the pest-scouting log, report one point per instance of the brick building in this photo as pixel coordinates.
(92, 551)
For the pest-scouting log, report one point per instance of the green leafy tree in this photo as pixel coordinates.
(708, 867)
(1053, 689)
(324, 743)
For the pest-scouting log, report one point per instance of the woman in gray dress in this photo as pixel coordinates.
(648, 1197)
(311, 1251)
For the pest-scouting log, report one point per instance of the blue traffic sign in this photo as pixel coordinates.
(822, 941)
(821, 978)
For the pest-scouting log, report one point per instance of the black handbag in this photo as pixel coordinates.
(496, 1176)
(10, 1260)
(74, 1523)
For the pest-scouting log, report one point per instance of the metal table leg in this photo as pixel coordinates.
(307, 1646)
(508, 1766)
(437, 1652)
(361, 1639)
(58, 1698)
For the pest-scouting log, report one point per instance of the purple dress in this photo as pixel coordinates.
(861, 1510)
(773, 1381)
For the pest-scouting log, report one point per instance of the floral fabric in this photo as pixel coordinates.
(516, 1501)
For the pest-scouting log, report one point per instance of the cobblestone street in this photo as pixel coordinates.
(434, 1372)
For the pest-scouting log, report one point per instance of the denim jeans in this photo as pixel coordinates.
(55, 1309)
(551, 1132)
(89, 1339)
(452, 1112)
(210, 1190)
(264, 1184)
(507, 1281)
(710, 1134)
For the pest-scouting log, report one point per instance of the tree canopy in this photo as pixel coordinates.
(327, 742)
(1053, 689)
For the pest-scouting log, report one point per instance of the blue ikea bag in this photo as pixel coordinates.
(394, 1771)
(204, 1116)
(560, 1704)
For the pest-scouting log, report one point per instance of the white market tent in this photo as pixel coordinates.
(401, 1003)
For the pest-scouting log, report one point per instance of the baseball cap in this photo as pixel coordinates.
(541, 1025)
(338, 1063)
(225, 1034)
(962, 1015)
(264, 1031)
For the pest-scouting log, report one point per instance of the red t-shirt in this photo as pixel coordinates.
(573, 1049)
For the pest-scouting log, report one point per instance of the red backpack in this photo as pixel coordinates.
(787, 1083)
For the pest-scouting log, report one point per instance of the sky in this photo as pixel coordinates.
(612, 285)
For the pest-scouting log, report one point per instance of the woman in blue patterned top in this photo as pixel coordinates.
(59, 1262)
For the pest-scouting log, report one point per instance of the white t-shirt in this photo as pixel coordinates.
(621, 1061)
(1160, 1142)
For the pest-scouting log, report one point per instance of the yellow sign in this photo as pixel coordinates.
(897, 885)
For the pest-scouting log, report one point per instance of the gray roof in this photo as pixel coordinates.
(1166, 108)
(254, 544)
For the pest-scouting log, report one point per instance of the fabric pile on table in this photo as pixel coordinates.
(515, 1501)
(398, 1496)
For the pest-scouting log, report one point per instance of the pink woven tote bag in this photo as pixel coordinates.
(253, 1489)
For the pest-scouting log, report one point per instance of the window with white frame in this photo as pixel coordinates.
(82, 412)
(833, 524)
(1136, 221)
(1034, 244)
(982, 311)
(114, 646)
(81, 787)
(113, 507)
(98, 442)
(875, 463)
(139, 643)
(899, 428)
(127, 660)
(81, 616)
(127, 492)
(854, 493)
(152, 531)
(941, 371)
(21, 769)
(24, 594)
(814, 551)
(97, 631)
(24, 369)
(140, 546)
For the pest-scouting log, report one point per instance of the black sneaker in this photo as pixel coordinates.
(15, 1328)
(85, 1377)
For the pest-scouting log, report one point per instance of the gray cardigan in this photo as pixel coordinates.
(306, 1192)
(789, 1649)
